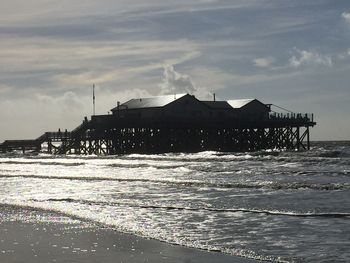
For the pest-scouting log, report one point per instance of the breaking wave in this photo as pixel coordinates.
(43, 163)
(251, 185)
(197, 209)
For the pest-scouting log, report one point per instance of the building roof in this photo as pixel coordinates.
(218, 104)
(154, 102)
(239, 103)
(161, 101)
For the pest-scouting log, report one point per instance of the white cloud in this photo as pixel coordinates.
(48, 113)
(309, 58)
(58, 49)
(175, 82)
(62, 65)
(215, 80)
(68, 101)
(41, 54)
(346, 16)
(5, 89)
(263, 62)
(119, 73)
(49, 11)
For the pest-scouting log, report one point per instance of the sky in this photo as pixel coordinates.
(294, 54)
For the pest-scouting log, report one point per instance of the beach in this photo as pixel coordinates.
(38, 236)
(275, 206)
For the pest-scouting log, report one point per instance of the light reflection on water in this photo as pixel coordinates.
(272, 205)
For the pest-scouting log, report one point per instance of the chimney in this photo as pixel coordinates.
(214, 96)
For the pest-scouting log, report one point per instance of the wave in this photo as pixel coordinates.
(245, 185)
(27, 210)
(333, 154)
(199, 209)
(144, 165)
(205, 156)
(33, 208)
(330, 149)
(314, 157)
(43, 163)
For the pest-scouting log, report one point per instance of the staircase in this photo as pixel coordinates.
(74, 139)
(67, 140)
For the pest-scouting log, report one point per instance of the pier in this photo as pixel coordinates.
(177, 123)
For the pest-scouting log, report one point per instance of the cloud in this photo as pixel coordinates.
(5, 89)
(309, 58)
(346, 16)
(68, 101)
(175, 82)
(35, 65)
(47, 11)
(120, 73)
(48, 113)
(263, 62)
(58, 50)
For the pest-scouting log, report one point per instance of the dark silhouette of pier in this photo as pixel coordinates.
(177, 123)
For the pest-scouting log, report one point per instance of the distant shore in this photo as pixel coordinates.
(33, 237)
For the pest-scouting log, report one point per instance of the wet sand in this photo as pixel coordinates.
(36, 237)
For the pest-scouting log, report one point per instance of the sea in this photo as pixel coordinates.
(279, 206)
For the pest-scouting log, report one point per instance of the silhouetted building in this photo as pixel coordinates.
(187, 106)
(178, 123)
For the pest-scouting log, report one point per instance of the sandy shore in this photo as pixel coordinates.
(34, 236)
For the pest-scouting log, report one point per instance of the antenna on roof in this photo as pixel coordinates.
(93, 99)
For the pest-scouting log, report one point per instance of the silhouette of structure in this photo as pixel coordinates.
(178, 123)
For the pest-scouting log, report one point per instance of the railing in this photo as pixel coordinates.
(292, 116)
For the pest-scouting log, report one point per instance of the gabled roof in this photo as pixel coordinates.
(154, 102)
(239, 103)
(217, 104)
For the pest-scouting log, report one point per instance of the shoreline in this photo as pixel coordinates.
(37, 236)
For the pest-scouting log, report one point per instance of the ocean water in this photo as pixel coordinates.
(268, 205)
